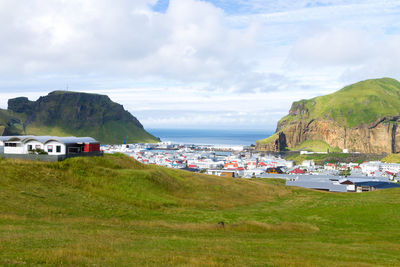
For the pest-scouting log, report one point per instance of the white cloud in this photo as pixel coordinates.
(354, 54)
(332, 47)
(200, 63)
(190, 42)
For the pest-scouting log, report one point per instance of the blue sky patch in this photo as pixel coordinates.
(161, 6)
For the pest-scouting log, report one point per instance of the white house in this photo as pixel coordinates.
(2, 139)
(370, 167)
(226, 173)
(51, 145)
(307, 163)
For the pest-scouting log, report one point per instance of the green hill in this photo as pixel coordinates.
(62, 113)
(362, 117)
(11, 123)
(114, 211)
(360, 103)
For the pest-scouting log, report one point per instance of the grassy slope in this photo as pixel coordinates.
(269, 139)
(392, 158)
(321, 159)
(107, 133)
(362, 102)
(308, 145)
(11, 120)
(316, 146)
(114, 211)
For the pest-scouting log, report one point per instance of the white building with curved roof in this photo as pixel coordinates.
(49, 145)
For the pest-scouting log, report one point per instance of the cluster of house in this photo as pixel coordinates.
(223, 162)
(48, 148)
(337, 177)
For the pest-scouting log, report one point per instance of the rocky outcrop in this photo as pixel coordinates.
(362, 117)
(278, 144)
(75, 109)
(381, 136)
(66, 113)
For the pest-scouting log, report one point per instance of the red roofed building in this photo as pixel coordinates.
(232, 165)
(297, 171)
(390, 173)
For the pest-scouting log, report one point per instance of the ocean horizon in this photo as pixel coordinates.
(210, 136)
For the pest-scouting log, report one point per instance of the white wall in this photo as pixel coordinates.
(14, 150)
(34, 144)
(351, 187)
(55, 144)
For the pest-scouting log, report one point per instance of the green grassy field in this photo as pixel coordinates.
(113, 211)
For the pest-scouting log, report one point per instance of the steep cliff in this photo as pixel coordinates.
(71, 113)
(362, 117)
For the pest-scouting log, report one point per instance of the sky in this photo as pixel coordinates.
(207, 64)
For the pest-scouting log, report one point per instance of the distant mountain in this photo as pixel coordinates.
(64, 113)
(360, 117)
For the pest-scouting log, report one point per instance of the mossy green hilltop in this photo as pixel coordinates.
(65, 113)
(360, 103)
(368, 109)
(114, 211)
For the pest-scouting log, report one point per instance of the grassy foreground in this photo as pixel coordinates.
(113, 211)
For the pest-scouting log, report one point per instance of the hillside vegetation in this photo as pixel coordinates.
(315, 145)
(10, 122)
(322, 159)
(114, 211)
(392, 158)
(362, 102)
(362, 117)
(65, 113)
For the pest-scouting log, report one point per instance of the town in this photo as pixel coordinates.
(243, 162)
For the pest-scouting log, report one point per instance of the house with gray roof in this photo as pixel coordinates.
(48, 148)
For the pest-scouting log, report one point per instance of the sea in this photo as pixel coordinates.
(211, 137)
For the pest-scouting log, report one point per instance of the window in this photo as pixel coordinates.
(50, 148)
(74, 150)
(58, 149)
(29, 147)
(11, 144)
(37, 147)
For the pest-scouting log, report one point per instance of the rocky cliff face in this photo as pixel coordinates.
(380, 136)
(72, 113)
(303, 123)
(74, 109)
